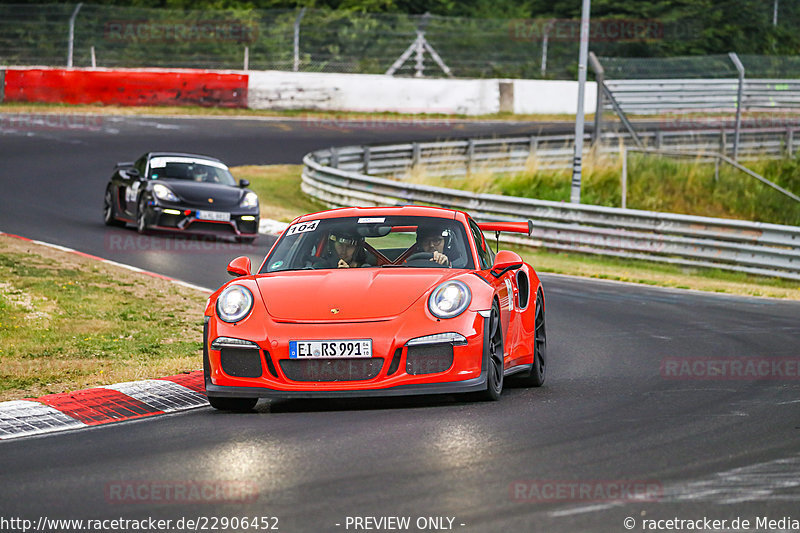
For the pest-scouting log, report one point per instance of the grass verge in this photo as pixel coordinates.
(69, 322)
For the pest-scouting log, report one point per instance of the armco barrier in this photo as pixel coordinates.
(126, 87)
(750, 247)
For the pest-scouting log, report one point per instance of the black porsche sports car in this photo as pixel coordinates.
(187, 193)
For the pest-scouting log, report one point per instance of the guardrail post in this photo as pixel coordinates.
(790, 142)
(533, 145)
(740, 68)
(415, 154)
(470, 154)
(367, 154)
(334, 158)
(659, 139)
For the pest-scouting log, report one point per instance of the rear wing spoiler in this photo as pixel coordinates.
(513, 227)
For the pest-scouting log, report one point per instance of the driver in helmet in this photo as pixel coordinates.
(348, 250)
(432, 239)
(200, 173)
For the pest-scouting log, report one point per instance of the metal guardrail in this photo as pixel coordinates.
(643, 97)
(339, 177)
(515, 154)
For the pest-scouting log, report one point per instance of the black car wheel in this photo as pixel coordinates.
(241, 405)
(108, 210)
(537, 374)
(494, 379)
(141, 217)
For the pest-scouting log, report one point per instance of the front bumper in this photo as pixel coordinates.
(185, 220)
(467, 373)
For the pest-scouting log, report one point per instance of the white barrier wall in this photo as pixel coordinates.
(532, 97)
(376, 93)
(368, 92)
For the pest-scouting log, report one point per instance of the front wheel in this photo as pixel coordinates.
(141, 217)
(239, 405)
(494, 379)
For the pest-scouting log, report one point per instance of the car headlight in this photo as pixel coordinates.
(250, 200)
(162, 192)
(234, 303)
(449, 299)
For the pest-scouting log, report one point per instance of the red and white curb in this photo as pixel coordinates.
(109, 403)
(101, 405)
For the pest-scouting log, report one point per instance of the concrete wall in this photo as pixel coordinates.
(367, 92)
(292, 90)
(533, 97)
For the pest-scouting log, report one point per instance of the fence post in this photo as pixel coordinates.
(790, 142)
(624, 155)
(739, 67)
(334, 157)
(246, 58)
(545, 38)
(600, 77)
(71, 43)
(296, 47)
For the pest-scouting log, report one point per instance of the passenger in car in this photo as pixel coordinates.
(348, 252)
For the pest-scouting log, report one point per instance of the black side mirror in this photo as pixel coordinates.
(244, 183)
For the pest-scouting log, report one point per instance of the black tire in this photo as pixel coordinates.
(495, 372)
(141, 217)
(240, 405)
(109, 215)
(538, 372)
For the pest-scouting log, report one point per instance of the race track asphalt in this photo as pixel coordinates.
(628, 425)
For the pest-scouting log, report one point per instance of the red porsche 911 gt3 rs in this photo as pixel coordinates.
(376, 301)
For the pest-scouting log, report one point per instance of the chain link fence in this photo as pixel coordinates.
(327, 41)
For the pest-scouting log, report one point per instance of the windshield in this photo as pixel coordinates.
(184, 168)
(375, 242)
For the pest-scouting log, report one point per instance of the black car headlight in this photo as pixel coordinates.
(449, 299)
(162, 192)
(250, 200)
(234, 303)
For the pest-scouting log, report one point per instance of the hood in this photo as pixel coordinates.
(197, 194)
(357, 294)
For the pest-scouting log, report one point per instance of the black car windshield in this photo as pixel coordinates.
(185, 168)
(372, 242)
